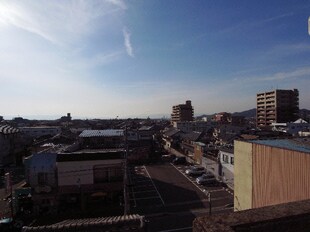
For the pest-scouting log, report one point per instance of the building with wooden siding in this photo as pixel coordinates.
(269, 172)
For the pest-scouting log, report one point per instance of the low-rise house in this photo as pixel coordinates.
(189, 126)
(12, 145)
(226, 158)
(188, 142)
(102, 139)
(40, 131)
(171, 137)
(292, 128)
(87, 173)
(226, 134)
(146, 133)
(41, 175)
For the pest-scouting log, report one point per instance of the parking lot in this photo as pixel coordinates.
(163, 191)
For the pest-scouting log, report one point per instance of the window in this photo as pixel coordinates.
(232, 160)
(225, 158)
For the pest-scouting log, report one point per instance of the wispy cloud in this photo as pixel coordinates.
(278, 76)
(63, 22)
(127, 42)
(118, 3)
(254, 24)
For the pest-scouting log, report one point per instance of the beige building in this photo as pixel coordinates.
(276, 106)
(269, 172)
(182, 112)
(86, 173)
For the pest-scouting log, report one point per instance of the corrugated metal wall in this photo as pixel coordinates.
(279, 176)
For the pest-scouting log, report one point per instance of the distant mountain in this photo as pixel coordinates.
(303, 113)
(247, 114)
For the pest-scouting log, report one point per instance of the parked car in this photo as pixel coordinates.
(179, 160)
(195, 171)
(207, 178)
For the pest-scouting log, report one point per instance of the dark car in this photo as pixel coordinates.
(179, 160)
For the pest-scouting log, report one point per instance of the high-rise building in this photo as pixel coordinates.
(276, 106)
(182, 112)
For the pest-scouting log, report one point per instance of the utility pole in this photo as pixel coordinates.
(209, 199)
(126, 204)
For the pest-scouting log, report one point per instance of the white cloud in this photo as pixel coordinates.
(127, 42)
(297, 73)
(118, 3)
(58, 22)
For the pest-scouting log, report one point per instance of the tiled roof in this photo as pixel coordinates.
(101, 133)
(192, 136)
(6, 129)
(171, 131)
(132, 222)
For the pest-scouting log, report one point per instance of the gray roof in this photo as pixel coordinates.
(6, 129)
(296, 144)
(132, 222)
(102, 133)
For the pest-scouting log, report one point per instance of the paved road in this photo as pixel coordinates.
(170, 199)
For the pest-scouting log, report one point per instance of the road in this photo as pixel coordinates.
(170, 199)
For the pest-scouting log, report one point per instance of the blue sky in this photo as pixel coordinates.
(138, 58)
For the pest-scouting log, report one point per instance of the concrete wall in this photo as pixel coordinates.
(243, 176)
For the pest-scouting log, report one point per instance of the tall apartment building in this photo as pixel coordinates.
(182, 112)
(277, 106)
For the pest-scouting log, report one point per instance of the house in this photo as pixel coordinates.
(146, 133)
(102, 139)
(12, 145)
(189, 126)
(84, 174)
(41, 170)
(271, 171)
(226, 134)
(40, 131)
(292, 128)
(188, 141)
(226, 172)
(171, 137)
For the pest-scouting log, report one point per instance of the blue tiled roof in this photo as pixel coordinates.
(297, 144)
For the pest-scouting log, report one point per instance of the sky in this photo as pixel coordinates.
(114, 58)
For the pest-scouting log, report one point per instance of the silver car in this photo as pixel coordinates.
(207, 178)
(195, 170)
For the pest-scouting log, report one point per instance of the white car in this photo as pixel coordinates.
(207, 178)
(195, 170)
